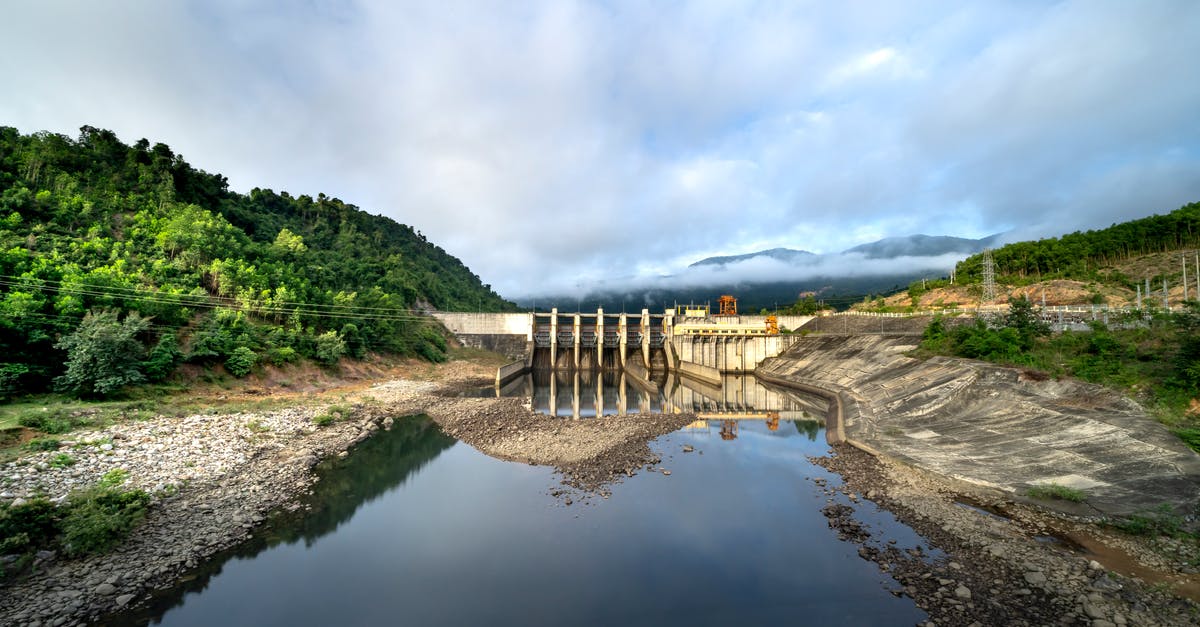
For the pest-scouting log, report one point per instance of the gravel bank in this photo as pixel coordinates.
(216, 476)
(995, 571)
(589, 453)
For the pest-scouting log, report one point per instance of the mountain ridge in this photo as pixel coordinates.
(916, 245)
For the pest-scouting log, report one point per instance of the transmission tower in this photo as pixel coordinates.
(989, 277)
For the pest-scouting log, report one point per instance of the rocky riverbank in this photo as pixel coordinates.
(995, 571)
(215, 476)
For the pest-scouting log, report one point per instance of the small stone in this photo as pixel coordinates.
(667, 472)
(105, 589)
(963, 593)
(1092, 610)
(106, 447)
(1100, 622)
(124, 600)
(1035, 577)
(1094, 565)
(687, 448)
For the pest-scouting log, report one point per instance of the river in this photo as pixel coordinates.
(415, 528)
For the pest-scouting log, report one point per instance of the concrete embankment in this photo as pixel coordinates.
(995, 427)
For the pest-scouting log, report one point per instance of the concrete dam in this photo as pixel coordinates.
(700, 346)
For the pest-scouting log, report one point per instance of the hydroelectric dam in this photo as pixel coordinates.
(688, 341)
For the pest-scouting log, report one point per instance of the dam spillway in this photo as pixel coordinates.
(701, 347)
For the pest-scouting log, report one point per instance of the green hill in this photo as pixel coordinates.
(196, 272)
(1099, 255)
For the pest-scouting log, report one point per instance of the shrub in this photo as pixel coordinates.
(103, 354)
(27, 526)
(330, 348)
(43, 444)
(241, 362)
(163, 358)
(281, 355)
(52, 422)
(10, 378)
(431, 345)
(356, 345)
(62, 460)
(101, 516)
(113, 478)
(1056, 491)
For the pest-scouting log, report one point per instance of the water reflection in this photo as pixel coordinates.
(378, 466)
(734, 535)
(587, 394)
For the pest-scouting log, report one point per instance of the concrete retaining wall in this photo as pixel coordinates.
(994, 426)
(703, 373)
(487, 323)
(637, 374)
(511, 346)
(730, 354)
(509, 371)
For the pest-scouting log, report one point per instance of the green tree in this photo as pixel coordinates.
(241, 362)
(163, 359)
(1026, 321)
(103, 354)
(330, 348)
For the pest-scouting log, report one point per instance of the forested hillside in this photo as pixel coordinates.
(1083, 255)
(112, 250)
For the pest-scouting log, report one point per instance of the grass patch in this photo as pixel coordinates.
(1190, 437)
(257, 426)
(1158, 522)
(1055, 491)
(43, 444)
(62, 460)
(335, 413)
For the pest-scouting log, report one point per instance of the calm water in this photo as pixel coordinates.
(414, 528)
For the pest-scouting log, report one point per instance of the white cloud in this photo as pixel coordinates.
(549, 143)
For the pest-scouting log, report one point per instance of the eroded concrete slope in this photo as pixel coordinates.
(993, 426)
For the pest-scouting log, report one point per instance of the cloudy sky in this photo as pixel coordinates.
(554, 144)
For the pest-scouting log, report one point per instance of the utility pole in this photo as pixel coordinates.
(1183, 261)
(1147, 288)
(1166, 298)
(1139, 296)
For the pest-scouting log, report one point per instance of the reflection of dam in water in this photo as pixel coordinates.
(587, 394)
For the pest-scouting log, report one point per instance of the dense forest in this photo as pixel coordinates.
(1080, 255)
(118, 263)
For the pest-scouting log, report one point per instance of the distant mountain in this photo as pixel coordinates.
(828, 276)
(922, 246)
(886, 248)
(782, 254)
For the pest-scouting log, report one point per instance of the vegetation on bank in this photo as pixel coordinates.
(120, 263)
(1153, 356)
(90, 521)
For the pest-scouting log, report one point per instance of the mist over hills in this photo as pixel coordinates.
(779, 276)
(887, 248)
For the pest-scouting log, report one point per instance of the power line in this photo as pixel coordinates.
(170, 299)
(204, 297)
